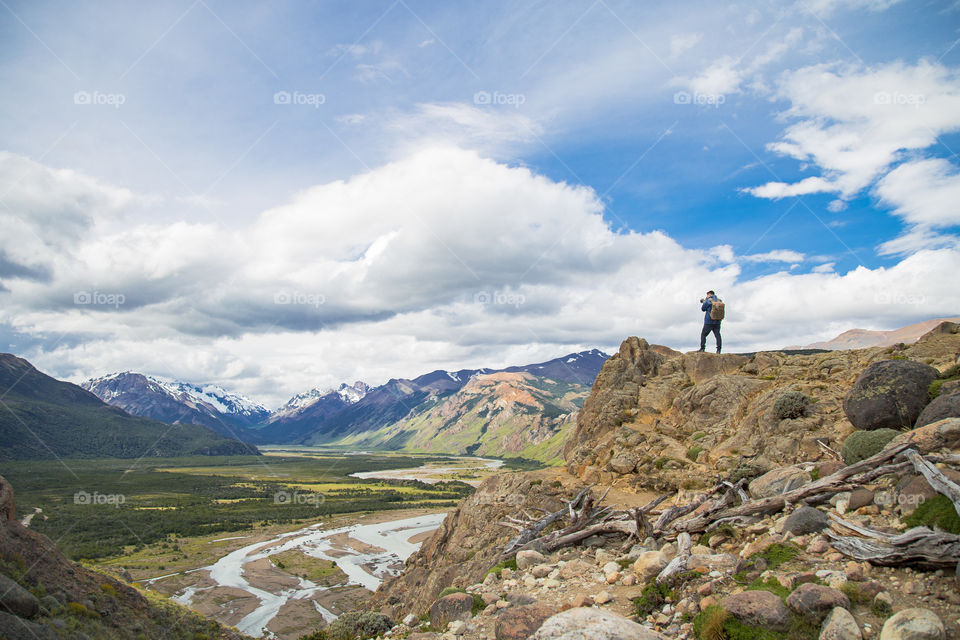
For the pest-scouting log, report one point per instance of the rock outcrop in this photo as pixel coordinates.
(889, 395)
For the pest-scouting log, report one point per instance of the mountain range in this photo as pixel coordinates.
(867, 338)
(43, 417)
(528, 406)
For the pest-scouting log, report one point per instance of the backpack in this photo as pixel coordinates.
(717, 310)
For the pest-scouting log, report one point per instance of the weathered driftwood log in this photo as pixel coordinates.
(679, 562)
(532, 531)
(918, 546)
(935, 478)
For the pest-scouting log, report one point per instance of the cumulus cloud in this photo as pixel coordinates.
(440, 259)
(683, 42)
(854, 123)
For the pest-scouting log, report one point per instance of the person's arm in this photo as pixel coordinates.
(707, 303)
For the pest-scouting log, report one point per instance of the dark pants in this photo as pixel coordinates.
(707, 328)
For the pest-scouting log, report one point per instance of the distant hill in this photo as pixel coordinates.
(174, 402)
(497, 414)
(43, 417)
(866, 338)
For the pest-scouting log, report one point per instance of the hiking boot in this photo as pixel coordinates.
(700, 350)
(718, 349)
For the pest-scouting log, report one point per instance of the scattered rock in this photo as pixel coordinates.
(603, 597)
(624, 463)
(14, 628)
(576, 569)
(889, 394)
(778, 481)
(818, 546)
(592, 624)
(758, 609)
(816, 601)
(911, 491)
(913, 624)
(840, 625)
(943, 406)
(712, 562)
(456, 606)
(581, 600)
(528, 558)
(519, 623)
(489, 597)
(457, 627)
(541, 570)
(411, 620)
(805, 520)
(649, 564)
(932, 437)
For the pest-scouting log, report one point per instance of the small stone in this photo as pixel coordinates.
(541, 571)
(833, 557)
(884, 599)
(551, 583)
(613, 577)
(582, 600)
(840, 625)
(603, 557)
(529, 558)
(816, 601)
(910, 588)
(629, 580)
(411, 620)
(818, 547)
(529, 581)
(602, 598)
(759, 609)
(649, 564)
(705, 589)
(707, 601)
(489, 610)
(699, 550)
(806, 520)
(457, 627)
(502, 604)
(521, 622)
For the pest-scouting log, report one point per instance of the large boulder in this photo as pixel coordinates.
(944, 434)
(778, 481)
(529, 558)
(592, 624)
(14, 628)
(943, 406)
(519, 623)
(806, 520)
(815, 601)
(649, 564)
(456, 606)
(624, 463)
(758, 609)
(889, 394)
(913, 624)
(840, 625)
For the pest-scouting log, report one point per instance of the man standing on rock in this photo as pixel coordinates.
(709, 321)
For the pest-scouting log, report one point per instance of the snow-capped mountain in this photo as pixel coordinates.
(175, 402)
(345, 393)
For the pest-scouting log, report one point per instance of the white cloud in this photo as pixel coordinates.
(440, 259)
(489, 128)
(683, 42)
(854, 123)
(923, 192)
(826, 7)
(777, 190)
(720, 78)
(780, 255)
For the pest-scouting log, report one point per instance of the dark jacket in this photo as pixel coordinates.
(706, 306)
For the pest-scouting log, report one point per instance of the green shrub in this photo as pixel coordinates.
(777, 554)
(881, 609)
(698, 435)
(716, 623)
(860, 445)
(708, 624)
(358, 625)
(791, 404)
(853, 591)
(723, 531)
(770, 584)
(510, 563)
(448, 590)
(935, 512)
(652, 598)
(80, 611)
(693, 452)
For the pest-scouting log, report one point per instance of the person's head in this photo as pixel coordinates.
(710, 293)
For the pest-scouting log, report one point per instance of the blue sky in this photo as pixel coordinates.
(594, 166)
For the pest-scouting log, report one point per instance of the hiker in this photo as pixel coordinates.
(711, 319)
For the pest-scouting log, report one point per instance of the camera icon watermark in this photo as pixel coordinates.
(502, 298)
(699, 99)
(897, 98)
(99, 299)
(299, 298)
(298, 98)
(297, 498)
(888, 499)
(96, 498)
(497, 98)
(115, 100)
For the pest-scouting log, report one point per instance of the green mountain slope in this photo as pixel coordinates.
(41, 417)
(499, 414)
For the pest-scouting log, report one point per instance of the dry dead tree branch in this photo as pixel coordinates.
(830, 452)
(935, 478)
(679, 562)
(918, 546)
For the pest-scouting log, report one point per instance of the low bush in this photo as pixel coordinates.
(935, 512)
(791, 404)
(860, 445)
